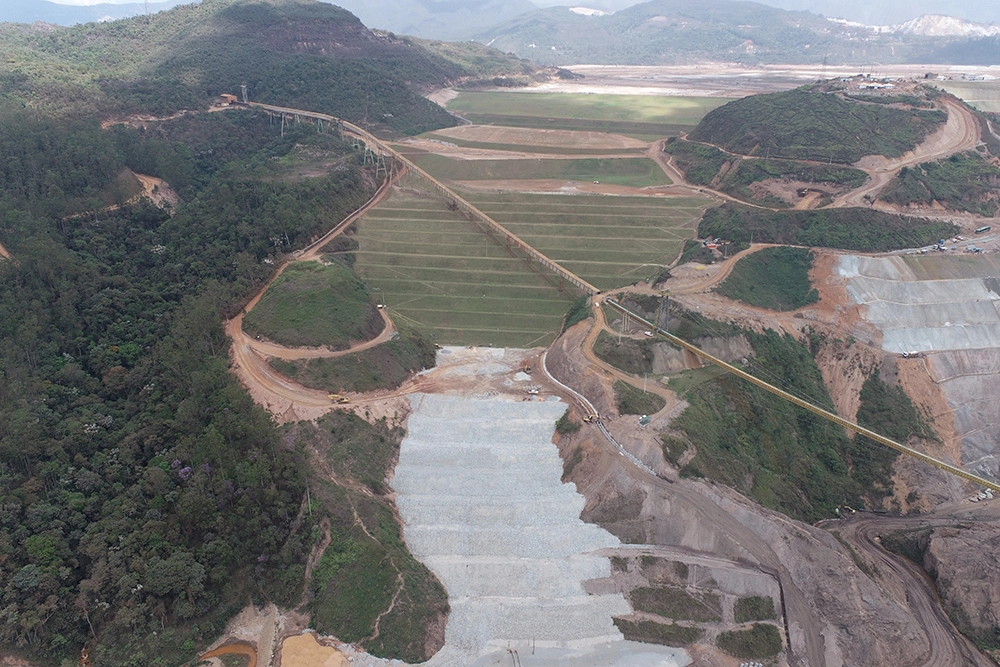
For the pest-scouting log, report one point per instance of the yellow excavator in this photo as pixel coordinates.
(337, 398)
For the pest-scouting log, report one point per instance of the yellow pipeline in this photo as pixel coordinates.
(826, 414)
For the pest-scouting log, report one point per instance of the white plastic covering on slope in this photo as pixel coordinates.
(956, 323)
(479, 489)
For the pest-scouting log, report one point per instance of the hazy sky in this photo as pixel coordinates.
(879, 12)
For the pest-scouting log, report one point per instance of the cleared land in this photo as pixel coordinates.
(537, 137)
(313, 304)
(608, 241)
(642, 115)
(635, 172)
(441, 273)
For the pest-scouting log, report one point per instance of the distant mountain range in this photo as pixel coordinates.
(29, 11)
(890, 12)
(663, 32)
(656, 32)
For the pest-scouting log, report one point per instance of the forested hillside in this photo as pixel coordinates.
(297, 53)
(141, 490)
(811, 125)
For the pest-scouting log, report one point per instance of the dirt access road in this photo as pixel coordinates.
(960, 133)
(947, 645)
(269, 388)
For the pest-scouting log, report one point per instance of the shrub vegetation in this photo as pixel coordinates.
(754, 608)
(366, 568)
(864, 230)
(761, 641)
(707, 165)
(804, 125)
(654, 632)
(775, 278)
(963, 182)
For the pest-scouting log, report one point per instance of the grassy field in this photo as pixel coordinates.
(314, 304)
(441, 273)
(635, 172)
(635, 401)
(525, 148)
(642, 115)
(384, 366)
(775, 278)
(609, 241)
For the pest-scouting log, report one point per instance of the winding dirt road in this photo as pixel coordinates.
(947, 645)
(249, 355)
(961, 132)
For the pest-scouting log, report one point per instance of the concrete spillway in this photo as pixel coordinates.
(479, 489)
(954, 321)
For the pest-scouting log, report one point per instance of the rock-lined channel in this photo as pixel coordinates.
(479, 489)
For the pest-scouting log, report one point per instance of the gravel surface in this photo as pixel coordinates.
(478, 485)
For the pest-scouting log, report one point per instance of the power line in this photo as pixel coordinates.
(826, 414)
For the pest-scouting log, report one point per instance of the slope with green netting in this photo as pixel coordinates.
(435, 269)
(609, 241)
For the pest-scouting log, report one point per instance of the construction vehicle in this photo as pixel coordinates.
(337, 398)
(526, 369)
(533, 391)
(590, 419)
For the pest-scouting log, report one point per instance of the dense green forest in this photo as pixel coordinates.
(962, 182)
(296, 53)
(864, 230)
(805, 125)
(143, 496)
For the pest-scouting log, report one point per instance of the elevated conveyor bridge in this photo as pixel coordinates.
(816, 410)
(382, 150)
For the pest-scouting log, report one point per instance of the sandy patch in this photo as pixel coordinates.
(525, 136)
(550, 185)
(304, 651)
